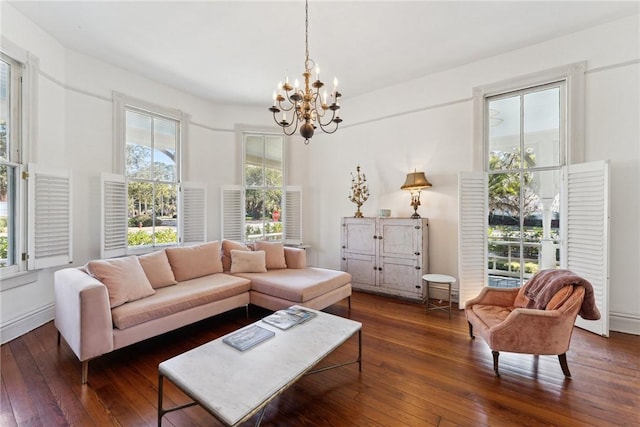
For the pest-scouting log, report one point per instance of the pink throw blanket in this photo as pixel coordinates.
(546, 283)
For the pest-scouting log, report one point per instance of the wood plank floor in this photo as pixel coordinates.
(418, 370)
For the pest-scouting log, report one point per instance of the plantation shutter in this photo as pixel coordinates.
(293, 215)
(472, 234)
(50, 221)
(232, 212)
(193, 213)
(114, 219)
(586, 233)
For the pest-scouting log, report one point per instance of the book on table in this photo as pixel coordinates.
(285, 319)
(248, 337)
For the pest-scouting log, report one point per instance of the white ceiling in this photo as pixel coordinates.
(237, 51)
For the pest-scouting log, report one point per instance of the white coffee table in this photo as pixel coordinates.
(234, 385)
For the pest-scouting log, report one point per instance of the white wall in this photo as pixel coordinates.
(427, 124)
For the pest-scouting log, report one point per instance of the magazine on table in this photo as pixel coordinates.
(285, 319)
(248, 337)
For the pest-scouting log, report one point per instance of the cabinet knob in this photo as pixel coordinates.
(417, 227)
(375, 237)
(417, 267)
(379, 268)
(418, 286)
(380, 237)
(344, 247)
(344, 259)
(416, 253)
(375, 268)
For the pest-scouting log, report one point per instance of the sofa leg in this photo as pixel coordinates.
(495, 362)
(58, 338)
(246, 311)
(85, 371)
(563, 364)
(349, 302)
(471, 330)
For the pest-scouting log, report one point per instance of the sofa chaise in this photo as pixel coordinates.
(110, 304)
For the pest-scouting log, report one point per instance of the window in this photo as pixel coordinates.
(10, 163)
(529, 192)
(525, 145)
(263, 207)
(263, 183)
(149, 206)
(151, 172)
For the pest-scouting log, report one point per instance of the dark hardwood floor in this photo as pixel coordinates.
(418, 370)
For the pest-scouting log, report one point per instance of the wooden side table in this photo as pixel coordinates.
(440, 279)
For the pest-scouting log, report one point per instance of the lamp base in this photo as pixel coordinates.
(415, 216)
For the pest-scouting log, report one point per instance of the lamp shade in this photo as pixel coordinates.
(415, 181)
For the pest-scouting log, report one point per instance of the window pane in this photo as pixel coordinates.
(140, 213)
(5, 75)
(273, 161)
(138, 137)
(8, 176)
(504, 229)
(165, 141)
(165, 210)
(504, 133)
(254, 211)
(273, 205)
(542, 127)
(541, 232)
(253, 161)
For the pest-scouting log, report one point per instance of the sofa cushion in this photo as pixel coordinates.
(297, 285)
(157, 269)
(124, 278)
(195, 261)
(227, 246)
(248, 261)
(274, 254)
(184, 295)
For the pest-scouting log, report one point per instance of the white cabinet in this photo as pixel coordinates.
(386, 255)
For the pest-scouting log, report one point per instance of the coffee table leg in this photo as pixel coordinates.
(160, 411)
(360, 350)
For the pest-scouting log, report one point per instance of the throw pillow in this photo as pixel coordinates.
(248, 261)
(157, 269)
(274, 252)
(227, 246)
(124, 278)
(195, 261)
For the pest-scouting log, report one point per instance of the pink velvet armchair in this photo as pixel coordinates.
(537, 318)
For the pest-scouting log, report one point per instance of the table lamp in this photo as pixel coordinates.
(415, 182)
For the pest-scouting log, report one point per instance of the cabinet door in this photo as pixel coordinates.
(400, 238)
(359, 235)
(401, 275)
(361, 267)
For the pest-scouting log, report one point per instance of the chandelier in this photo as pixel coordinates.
(307, 106)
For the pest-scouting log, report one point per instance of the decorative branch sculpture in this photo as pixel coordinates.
(359, 192)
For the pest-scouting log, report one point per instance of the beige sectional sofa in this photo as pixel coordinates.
(109, 304)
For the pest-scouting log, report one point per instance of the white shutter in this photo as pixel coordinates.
(232, 212)
(114, 218)
(472, 234)
(586, 233)
(193, 213)
(50, 221)
(293, 215)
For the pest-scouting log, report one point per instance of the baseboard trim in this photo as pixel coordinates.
(626, 323)
(26, 323)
